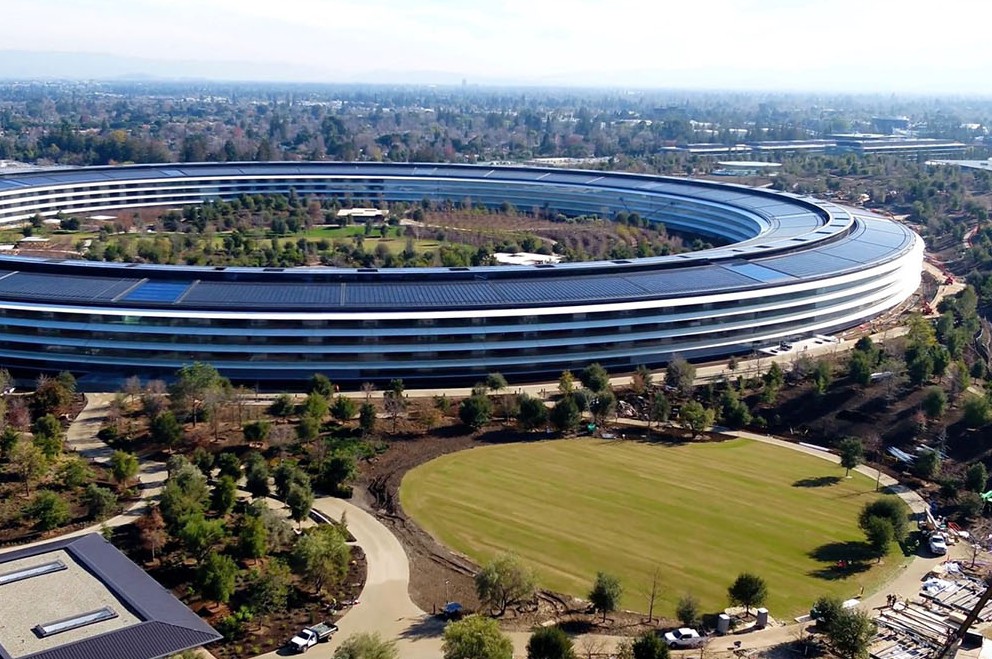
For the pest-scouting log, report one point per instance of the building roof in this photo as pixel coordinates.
(149, 624)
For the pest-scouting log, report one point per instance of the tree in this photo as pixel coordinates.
(300, 501)
(199, 534)
(315, 406)
(879, 534)
(504, 581)
(889, 508)
(649, 646)
(74, 472)
(344, 409)
(825, 612)
(927, 465)
(641, 380)
(735, 412)
(475, 411)
(696, 417)
(566, 383)
(308, 428)
(257, 431)
(123, 467)
(687, 610)
(151, 527)
(976, 477)
(257, 478)
(748, 590)
(165, 429)
(602, 404)
(852, 453)
(52, 396)
(8, 440)
(99, 501)
(48, 436)
(217, 577)
(321, 556)
(977, 411)
(565, 415)
(185, 493)
(661, 409)
(860, 368)
(823, 375)
(680, 376)
(531, 412)
(606, 593)
(48, 509)
(321, 385)
(394, 404)
(550, 643)
(367, 645)
(194, 386)
(268, 590)
(476, 637)
(224, 494)
(367, 418)
(287, 473)
(253, 537)
(204, 461)
(282, 406)
(851, 634)
(934, 403)
(595, 378)
(28, 462)
(229, 465)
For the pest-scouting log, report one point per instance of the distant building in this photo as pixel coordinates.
(362, 213)
(890, 125)
(707, 149)
(791, 147)
(969, 164)
(81, 598)
(907, 147)
(746, 168)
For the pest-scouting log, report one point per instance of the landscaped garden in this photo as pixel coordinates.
(698, 514)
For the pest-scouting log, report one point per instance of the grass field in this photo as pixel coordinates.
(699, 514)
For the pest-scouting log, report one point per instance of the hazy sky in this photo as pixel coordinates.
(857, 45)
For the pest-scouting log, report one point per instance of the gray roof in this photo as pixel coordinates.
(167, 626)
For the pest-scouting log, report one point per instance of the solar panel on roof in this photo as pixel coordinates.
(157, 291)
(23, 285)
(757, 272)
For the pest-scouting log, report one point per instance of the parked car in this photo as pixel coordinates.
(311, 636)
(684, 638)
(938, 545)
(452, 611)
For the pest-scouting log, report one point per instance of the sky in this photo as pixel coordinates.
(819, 45)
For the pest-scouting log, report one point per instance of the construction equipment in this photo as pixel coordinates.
(954, 640)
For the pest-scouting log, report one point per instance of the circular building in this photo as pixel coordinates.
(795, 267)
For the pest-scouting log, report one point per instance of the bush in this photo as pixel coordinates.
(99, 500)
(48, 509)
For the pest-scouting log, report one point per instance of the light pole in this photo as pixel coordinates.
(446, 597)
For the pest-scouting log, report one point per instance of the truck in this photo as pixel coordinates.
(311, 636)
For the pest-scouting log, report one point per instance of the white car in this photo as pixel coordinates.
(938, 545)
(684, 638)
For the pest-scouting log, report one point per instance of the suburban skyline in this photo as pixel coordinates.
(733, 44)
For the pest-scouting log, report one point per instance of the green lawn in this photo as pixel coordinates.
(698, 513)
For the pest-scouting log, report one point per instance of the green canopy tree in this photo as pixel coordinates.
(476, 637)
(748, 590)
(606, 593)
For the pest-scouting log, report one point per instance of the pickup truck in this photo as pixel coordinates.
(311, 636)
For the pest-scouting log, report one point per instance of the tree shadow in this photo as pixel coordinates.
(841, 559)
(817, 481)
(424, 627)
(577, 627)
